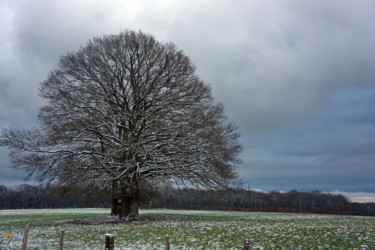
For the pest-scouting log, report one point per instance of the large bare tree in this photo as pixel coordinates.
(123, 111)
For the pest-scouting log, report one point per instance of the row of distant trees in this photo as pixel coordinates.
(249, 200)
(51, 196)
(54, 196)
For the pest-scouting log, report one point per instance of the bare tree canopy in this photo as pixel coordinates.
(122, 111)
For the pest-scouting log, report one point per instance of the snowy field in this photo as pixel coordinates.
(85, 229)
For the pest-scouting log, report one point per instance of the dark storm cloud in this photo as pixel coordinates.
(337, 149)
(296, 76)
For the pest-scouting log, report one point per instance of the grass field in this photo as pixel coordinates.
(85, 229)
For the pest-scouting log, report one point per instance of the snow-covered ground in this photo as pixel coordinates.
(85, 229)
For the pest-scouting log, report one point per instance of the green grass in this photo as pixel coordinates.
(189, 230)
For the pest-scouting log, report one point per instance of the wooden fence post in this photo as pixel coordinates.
(246, 245)
(109, 242)
(168, 243)
(25, 237)
(62, 240)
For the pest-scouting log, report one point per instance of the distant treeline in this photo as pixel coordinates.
(51, 196)
(248, 200)
(54, 196)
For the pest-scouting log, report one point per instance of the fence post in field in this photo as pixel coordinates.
(246, 245)
(168, 244)
(62, 240)
(25, 237)
(109, 242)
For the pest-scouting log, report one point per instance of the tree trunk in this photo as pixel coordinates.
(124, 207)
(128, 206)
(134, 207)
(114, 206)
(125, 202)
(115, 198)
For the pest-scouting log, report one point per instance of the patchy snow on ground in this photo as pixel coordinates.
(85, 229)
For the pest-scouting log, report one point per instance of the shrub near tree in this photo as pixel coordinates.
(122, 112)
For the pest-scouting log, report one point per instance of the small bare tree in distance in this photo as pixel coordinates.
(121, 112)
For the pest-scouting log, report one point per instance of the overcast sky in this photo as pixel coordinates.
(298, 77)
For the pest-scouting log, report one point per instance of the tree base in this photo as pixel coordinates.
(125, 207)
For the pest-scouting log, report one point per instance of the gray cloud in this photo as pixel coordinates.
(337, 149)
(296, 76)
